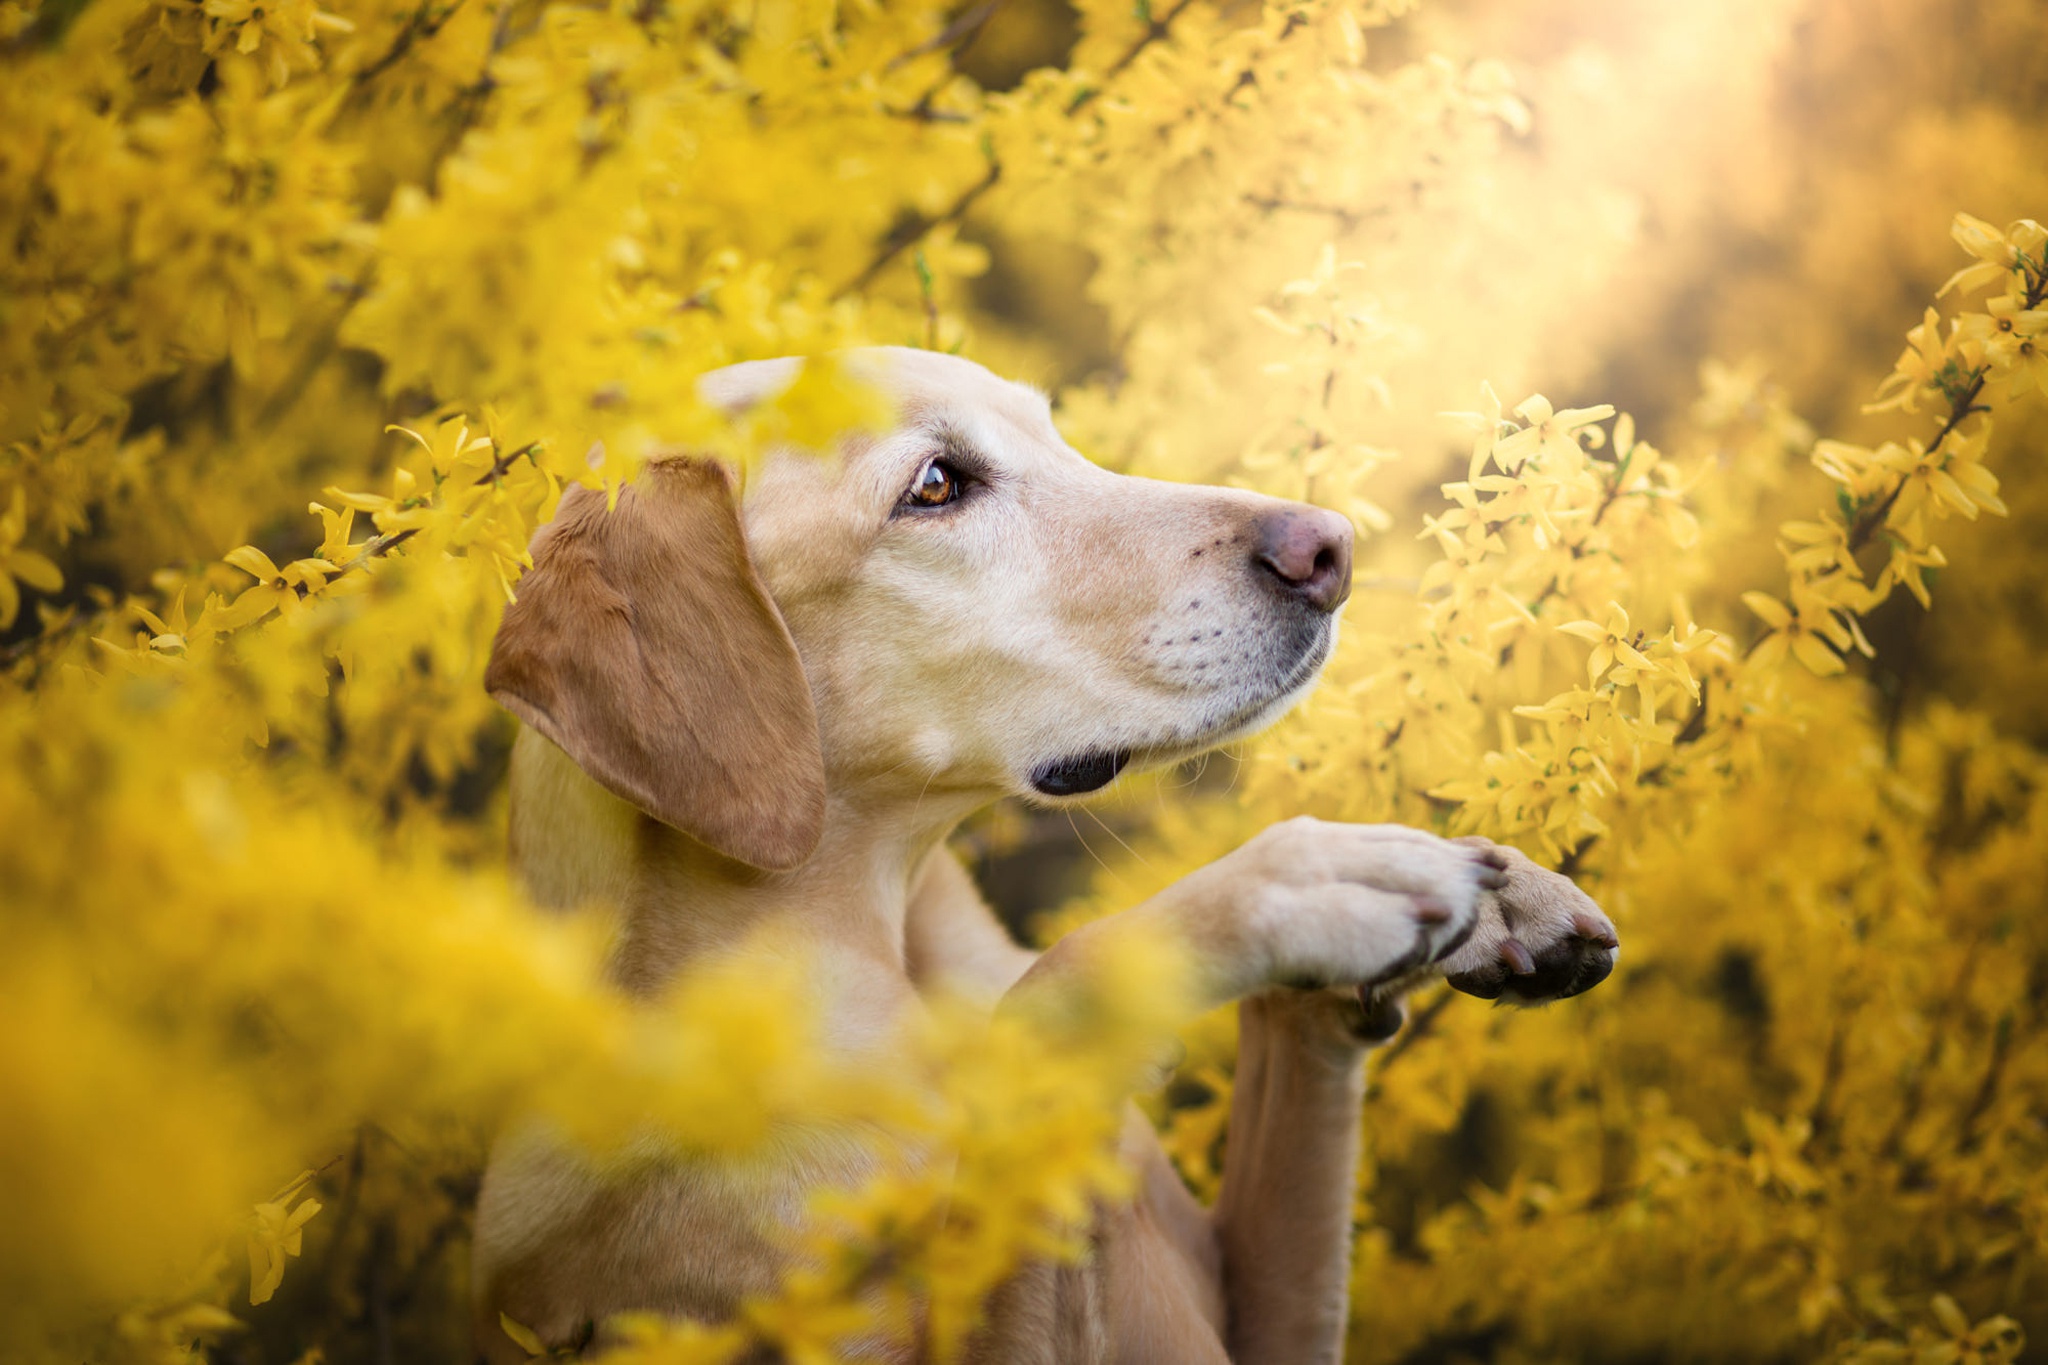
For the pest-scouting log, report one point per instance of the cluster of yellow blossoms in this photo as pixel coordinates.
(308, 313)
(1894, 494)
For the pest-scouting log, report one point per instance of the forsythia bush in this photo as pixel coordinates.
(308, 314)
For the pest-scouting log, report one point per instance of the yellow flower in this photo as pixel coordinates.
(163, 644)
(1776, 1153)
(1941, 481)
(1994, 1341)
(525, 1337)
(2015, 342)
(1611, 642)
(1905, 567)
(1467, 532)
(1993, 252)
(1673, 649)
(1486, 427)
(1919, 368)
(32, 568)
(824, 402)
(1547, 430)
(279, 1232)
(1859, 469)
(1999, 254)
(1806, 628)
(335, 529)
(1822, 547)
(282, 590)
(289, 28)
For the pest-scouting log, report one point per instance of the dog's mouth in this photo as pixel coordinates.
(1080, 774)
(1255, 715)
(1092, 770)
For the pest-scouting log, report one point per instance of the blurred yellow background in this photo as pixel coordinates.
(420, 262)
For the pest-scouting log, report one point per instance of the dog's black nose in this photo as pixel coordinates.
(1308, 550)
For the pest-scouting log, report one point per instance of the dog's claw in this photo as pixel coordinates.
(1517, 956)
(1379, 1019)
(1590, 929)
(1430, 910)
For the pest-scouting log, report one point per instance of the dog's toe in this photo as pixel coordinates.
(1569, 967)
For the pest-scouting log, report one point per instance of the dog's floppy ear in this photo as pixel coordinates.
(644, 644)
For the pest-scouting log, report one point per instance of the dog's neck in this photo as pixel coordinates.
(686, 902)
(681, 903)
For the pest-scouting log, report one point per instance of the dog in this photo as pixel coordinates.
(772, 710)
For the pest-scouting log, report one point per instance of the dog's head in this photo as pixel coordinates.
(959, 609)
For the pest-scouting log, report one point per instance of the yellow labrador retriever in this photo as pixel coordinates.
(773, 714)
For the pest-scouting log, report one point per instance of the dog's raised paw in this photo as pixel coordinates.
(1536, 938)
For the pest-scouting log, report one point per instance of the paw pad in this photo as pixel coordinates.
(1571, 966)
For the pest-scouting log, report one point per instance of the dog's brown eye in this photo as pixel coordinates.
(935, 486)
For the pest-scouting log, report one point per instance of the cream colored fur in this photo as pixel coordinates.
(950, 654)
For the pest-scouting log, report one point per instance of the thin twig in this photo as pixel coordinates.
(1980, 1103)
(1348, 217)
(422, 23)
(916, 228)
(1154, 31)
(957, 35)
(1961, 407)
(914, 231)
(1916, 1081)
(1820, 1119)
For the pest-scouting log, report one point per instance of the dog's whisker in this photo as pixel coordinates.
(1141, 860)
(1237, 767)
(1083, 840)
(918, 805)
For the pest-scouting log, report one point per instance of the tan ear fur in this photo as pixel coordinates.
(644, 644)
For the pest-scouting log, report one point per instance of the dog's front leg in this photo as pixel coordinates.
(1311, 905)
(1283, 1220)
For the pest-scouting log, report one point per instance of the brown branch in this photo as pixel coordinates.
(422, 23)
(1916, 1082)
(1695, 724)
(1820, 1119)
(910, 233)
(1349, 218)
(2037, 284)
(1154, 31)
(1961, 407)
(316, 354)
(374, 548)
(379, 546)
(1568, 866)
(503, 463)
(1987, 1090)
(914, 230)
(922, 112)
(958, 35)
